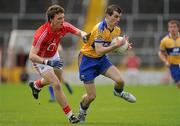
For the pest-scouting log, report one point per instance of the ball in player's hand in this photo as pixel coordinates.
(121, 49)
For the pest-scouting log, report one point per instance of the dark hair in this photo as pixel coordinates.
(174, 22)
(52, 10)
(111, 8)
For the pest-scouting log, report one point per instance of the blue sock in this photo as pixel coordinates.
(51, 91)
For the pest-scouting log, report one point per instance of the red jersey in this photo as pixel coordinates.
(48, 41)
(133, 62)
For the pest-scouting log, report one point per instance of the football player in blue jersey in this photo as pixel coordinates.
(93, 60)
(169, 50)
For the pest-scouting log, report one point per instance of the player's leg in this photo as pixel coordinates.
(175, 74)
(51, 92)
(51, 77)
(133, 76)
(60, 75)
(87, 73)
(87, 99)
(178, 84)
(50, 89)
(68, 86)
(36, 87)
(113, 73)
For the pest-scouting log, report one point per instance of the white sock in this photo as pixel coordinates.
(82, 110)
(69, 114)
(36, 87)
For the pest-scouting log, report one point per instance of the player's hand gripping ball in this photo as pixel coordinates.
(123, 48)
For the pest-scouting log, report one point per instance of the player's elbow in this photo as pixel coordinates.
(160, 53)
(30, 56)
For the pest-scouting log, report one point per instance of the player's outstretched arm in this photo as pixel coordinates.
(83, 35)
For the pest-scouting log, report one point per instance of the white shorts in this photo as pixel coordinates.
(132, 72)
(42, 67)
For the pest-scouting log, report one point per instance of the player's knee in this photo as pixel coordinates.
(91, 97)
(56, 85)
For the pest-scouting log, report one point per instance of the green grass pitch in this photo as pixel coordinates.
(155, 106)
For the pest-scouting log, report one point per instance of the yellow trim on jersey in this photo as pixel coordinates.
(99, 34)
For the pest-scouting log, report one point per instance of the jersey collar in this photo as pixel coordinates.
(170, 36)
(105, 24)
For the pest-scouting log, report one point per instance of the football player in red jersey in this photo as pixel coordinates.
(45, 58)
(63, 81)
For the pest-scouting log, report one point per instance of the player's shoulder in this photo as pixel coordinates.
(117, 28)
(165, 38)
(67, 24)
(42, 30)
(101, 25)
(43, 26)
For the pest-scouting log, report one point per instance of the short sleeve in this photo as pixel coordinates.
(70, 28)
(162, 45)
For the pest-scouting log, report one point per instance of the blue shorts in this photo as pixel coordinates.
(90, 68)
(175, 72)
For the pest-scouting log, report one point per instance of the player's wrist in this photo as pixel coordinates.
(45, 61)
(85, 37)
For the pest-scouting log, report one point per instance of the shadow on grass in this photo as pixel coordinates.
(100, 124)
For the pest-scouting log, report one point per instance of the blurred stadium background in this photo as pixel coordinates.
(144, 21)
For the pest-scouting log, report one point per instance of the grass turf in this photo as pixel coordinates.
(155, 106)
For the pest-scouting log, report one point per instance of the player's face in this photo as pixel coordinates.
(57, 21)
(114, 19)
(173, 28)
